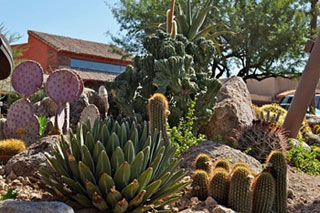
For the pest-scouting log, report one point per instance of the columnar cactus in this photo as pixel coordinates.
(158, 110)
(200, 184)
(9, 148)
(63, 86)
(240, 196)
(203, 161)
(90, 112)
(263, 188)
(103, 93)
(21, 122)
(222, 163)
(277, 164)
(115, 167)
(219, 185)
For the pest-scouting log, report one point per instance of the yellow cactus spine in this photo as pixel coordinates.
(9, 148)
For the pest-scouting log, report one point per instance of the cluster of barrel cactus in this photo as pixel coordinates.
(260, 138)
(63, 86)
(118, 165)
(22, 123)
(176, 68)
(239, 188)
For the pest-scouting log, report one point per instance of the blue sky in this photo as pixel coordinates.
(83, 19)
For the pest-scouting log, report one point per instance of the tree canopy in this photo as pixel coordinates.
(267, 40)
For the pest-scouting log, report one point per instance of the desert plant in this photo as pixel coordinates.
(222, 163)
(103, 93)
(176, 68)
(219, 185)
(115, 166)
(158, 111)
(183, 136)
(9, 148)
(43, 124)
(263, 188)
(303, 160)
(260, 139)
(90, 112)
(240, 196)
(200, 183)
(203, 162)
(10, 194)
(277, 164)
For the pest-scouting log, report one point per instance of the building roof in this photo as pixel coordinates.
(82, 47)
(91, 76)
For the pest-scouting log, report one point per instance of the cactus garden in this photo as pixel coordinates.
(173, 130)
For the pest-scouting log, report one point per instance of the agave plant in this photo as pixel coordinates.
(115, 166)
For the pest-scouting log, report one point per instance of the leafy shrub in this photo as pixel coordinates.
(43, 123)
(9, 195)
(183, 135)
(305, 160)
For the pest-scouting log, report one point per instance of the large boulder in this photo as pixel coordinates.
(89, 96)
(232, 111)
(217, 151)
(15, 206)
(29, 161)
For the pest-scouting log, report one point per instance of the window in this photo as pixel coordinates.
(96, 66)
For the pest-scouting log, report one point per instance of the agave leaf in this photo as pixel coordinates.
(145, 178)
(121, 206)
(113, 197)
(136, 166)
(117, 159)
(151, 189)
(75, 148)
(98, 148)
(112, 144)
(123, 135)
(103, 165)
(85, 173)
(157, 161)
(137, 199)
(82, 200)
(57, 166)
(75, 185)
(134, 137)
(122, 175)
(89, 142)
(105, 183)
(99, 202)
(129, 152)
(73, 165)
(146, 153)
(105, 135)
(91, 188)
(130, 190)
(168, 191)
(87, 158)
(198, 22)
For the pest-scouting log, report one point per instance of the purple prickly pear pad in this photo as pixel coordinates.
(63, 86)
(27, 78)
(19, 113)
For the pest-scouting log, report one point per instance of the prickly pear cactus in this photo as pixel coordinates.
(200, 184)
(203, 162)
(90, 112)
(240, 196)
(277, 165)
(27, 78)
(103, 93)
(63, 86)
(263, 188)
(219, 185)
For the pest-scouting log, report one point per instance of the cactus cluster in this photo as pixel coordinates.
(63, 86)
(22, 123)
(9, 148)
(116, 165)
(176, 68)
(259, 139)
(242, 190)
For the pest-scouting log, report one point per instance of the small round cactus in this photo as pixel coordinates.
(9, 148)
(200, 184)
(203, 161)
(222, 163)
(63, 86)
(90, 112)
(219, 185)
(27, 78)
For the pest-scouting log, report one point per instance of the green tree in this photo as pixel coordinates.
(268, 38)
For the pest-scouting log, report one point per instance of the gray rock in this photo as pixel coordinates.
(89, 96)
(15, 206)
(46, 107)
(312, 139)
(233, 110)
(222, 209)
(217, 151)
(2, 122)
(296, 143)
(312, 119)
(29, 161)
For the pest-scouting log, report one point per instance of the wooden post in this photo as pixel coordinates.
(305, 91)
